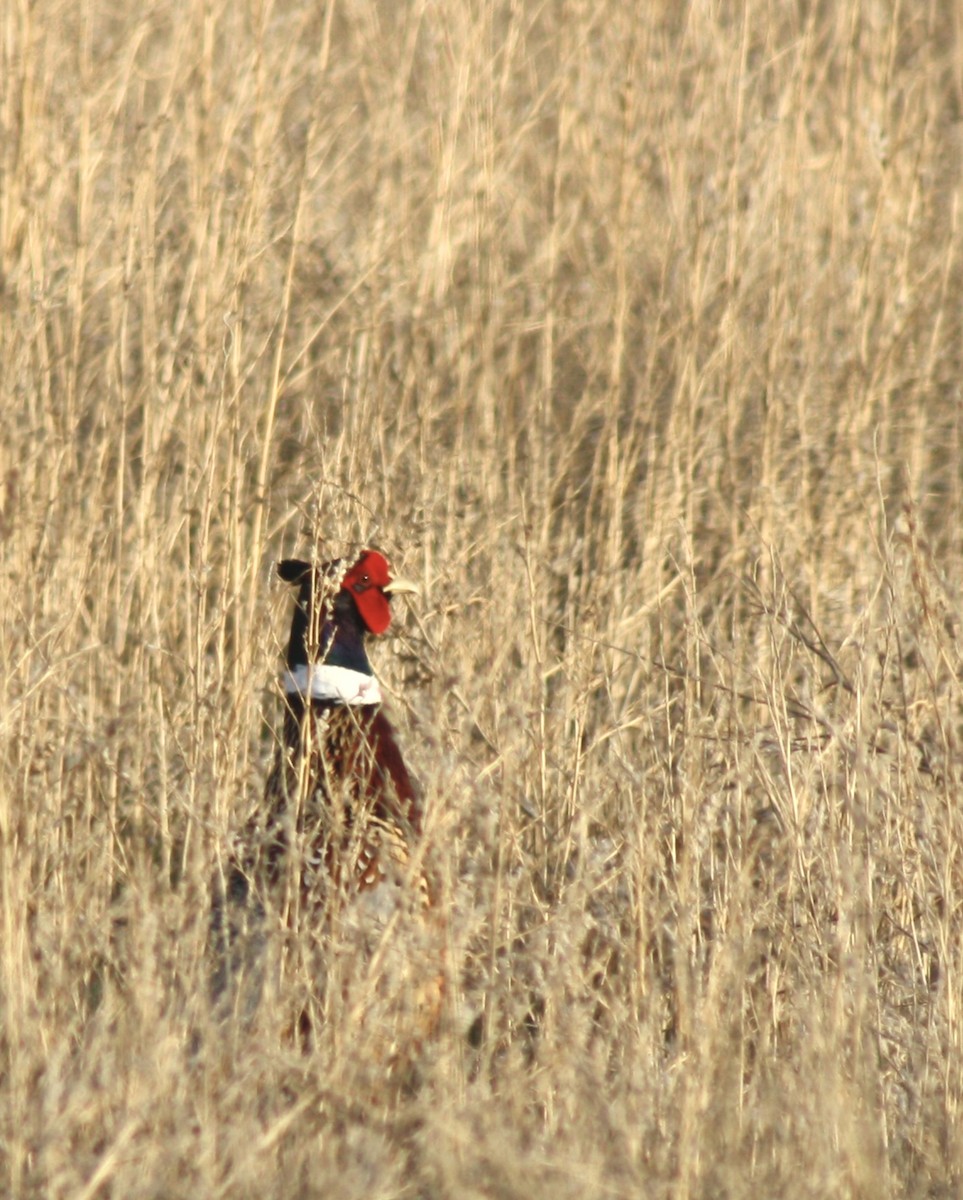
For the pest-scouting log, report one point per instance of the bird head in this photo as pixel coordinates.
(370, 584)
(330, 596)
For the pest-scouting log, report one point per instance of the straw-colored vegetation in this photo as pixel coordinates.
(632, 332)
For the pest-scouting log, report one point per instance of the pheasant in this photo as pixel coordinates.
(340, 785)
(337, 848)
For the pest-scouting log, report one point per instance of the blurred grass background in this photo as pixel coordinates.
(633, 333)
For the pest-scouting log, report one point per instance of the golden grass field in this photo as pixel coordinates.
(632, 333)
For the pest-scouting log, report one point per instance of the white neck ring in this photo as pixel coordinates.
(323, 681)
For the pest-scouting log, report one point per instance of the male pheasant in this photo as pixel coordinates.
(340, 787)
(337, 849)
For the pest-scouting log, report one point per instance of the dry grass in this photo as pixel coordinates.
(633, 332)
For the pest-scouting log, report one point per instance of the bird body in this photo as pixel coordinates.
(341, 788)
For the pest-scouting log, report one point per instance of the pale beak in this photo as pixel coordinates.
(399, 587)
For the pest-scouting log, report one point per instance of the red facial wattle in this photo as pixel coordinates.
(366, 581)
